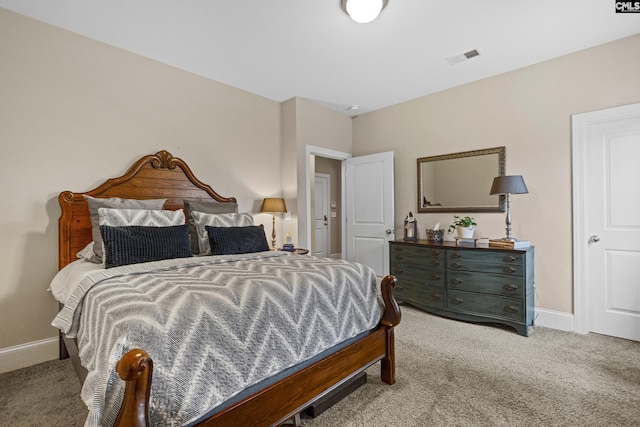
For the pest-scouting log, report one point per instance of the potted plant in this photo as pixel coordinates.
(465, 226)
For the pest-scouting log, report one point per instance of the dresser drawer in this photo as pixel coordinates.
(432, 296)
(507, 258)
(409, 263)
(482, 304)
(514, 269)
(416, 253)
(418, 273)
(496, 284)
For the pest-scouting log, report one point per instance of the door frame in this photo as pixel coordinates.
(304, 205)
(580, 124)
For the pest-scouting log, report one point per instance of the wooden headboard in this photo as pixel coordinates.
(156, 176)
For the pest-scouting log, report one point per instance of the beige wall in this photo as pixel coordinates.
(528, 111)
(307, 124)
(74, 112)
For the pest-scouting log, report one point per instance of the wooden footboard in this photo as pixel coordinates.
(286, 398)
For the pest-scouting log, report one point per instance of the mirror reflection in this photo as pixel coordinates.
(460, 182)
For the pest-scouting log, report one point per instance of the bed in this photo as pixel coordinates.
(290, 382)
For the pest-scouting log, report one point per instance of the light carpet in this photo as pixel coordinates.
(448, 373)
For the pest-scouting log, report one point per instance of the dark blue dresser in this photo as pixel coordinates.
(471, 283)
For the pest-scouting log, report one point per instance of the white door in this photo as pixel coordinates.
(321, 215)
(607, 206)
(370, 210)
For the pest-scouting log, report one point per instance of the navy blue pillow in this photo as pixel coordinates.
(237, 240)
(135, 244)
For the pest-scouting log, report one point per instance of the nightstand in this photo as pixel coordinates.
(298, 251)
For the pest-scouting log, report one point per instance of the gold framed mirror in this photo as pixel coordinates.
(460, 182)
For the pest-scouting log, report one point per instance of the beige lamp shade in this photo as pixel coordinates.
(273, 204)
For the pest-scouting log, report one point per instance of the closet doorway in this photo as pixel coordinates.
(326, 239)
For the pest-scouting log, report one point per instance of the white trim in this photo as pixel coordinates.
(28, 354)
(304, 194)
(579, 293)
(554, 320)
(580, 126)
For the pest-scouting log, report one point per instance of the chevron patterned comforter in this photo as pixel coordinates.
(213, 325)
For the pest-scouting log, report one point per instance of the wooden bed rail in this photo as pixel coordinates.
(136, 367)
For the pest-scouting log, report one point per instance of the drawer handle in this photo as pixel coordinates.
(435, 252)
(510, 269)
(435, 262)
(456, 281)
(456, 255)
(397, 248)
(458, 301)
(436, 297)
(398, 271)
(456, 265)
(510, 309)
(509, 258)
(436, 277)
(399, 257)
(510, 287)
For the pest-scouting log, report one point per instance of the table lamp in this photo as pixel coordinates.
(273, 205)
(508, 184)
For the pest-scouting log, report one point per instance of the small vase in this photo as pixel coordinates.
(465, 232)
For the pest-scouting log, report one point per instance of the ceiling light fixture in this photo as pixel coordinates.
(363, 11)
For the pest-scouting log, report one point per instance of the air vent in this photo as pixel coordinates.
(471, 54)
(454, 60)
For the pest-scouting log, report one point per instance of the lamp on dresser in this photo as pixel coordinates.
(272, 205)
(508, 184)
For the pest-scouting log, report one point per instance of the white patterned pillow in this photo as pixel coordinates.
(95, 203)
(145, 217)
(206, 206)
(202, 219)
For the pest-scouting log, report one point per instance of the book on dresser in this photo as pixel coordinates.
(509, 244)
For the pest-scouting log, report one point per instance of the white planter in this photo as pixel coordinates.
(465, 232)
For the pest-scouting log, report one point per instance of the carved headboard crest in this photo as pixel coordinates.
(164, 159)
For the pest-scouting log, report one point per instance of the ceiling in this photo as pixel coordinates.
(311, 49)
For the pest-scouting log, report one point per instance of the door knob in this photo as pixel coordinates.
(594, 239)
(388, 231)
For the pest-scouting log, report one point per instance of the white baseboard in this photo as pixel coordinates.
(28, 354)
(32, 353)
(554, 320)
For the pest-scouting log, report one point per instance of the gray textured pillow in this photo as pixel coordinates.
(237, 240)
(135, 244)
(117, 203)
(210, 207)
